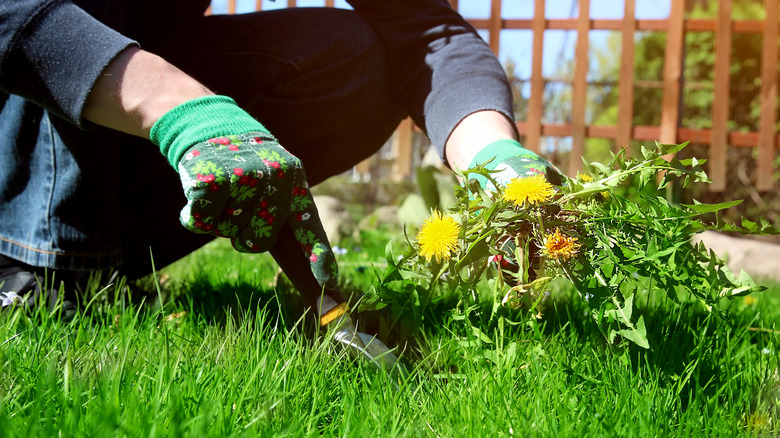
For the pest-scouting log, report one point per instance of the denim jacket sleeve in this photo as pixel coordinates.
(442, 70)
(52, 52)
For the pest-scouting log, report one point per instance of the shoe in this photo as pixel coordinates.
(21, 285)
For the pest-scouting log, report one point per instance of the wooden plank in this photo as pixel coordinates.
(494, 34)
(330, 3)
(659, 25)
(748, 26)
(626, 80)
(670, 107)
(646, 133)
(652, 25)
(720, 104)
(767, 135)
(258, 5)
(537, 81)
(649, 133)
(292, 3)
(580, 88)
(514, 23)
(402, 165)
(364, 167)
(454, 4)
(231, 6)
(710, 25)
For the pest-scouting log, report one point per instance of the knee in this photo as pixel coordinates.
(345, 41)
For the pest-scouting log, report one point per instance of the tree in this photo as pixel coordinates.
(697, 98)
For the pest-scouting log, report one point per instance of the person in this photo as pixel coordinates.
(121, 121)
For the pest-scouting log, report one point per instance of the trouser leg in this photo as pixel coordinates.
(59, 192)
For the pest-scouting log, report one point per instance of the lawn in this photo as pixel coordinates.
(219, 346)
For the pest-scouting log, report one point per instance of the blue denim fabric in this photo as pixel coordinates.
(95, 199)
(57, 201)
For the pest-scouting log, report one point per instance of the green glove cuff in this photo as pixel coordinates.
(499, 151)
(199, 120)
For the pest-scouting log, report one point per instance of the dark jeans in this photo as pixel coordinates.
(95, 199)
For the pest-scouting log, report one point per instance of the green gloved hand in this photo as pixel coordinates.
(511, 160)
(239, 182)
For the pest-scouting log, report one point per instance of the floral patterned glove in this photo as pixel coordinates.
(239, 182)
(513, 161)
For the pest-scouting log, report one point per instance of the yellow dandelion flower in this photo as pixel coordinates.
(438, 237)
(533, 190)
(560, 246)
(584, 177)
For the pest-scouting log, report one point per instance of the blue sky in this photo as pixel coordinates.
(558, 44)
(515, 44)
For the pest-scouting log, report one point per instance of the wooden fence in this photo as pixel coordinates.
(719, 139)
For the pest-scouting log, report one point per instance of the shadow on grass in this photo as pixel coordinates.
(692, 352)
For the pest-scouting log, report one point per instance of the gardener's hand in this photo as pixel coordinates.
(513, 161)
(239, 182)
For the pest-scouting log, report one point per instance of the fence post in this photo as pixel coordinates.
(580, 89)
(626, 79)
(720, 103)
(534, 129)
(402, 165)
(767, 136)
(670, 109)
(494, 35)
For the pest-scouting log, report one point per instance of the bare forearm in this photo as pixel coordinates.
(473, 133)
(136, 89)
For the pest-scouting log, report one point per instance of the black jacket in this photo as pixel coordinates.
(52, 51)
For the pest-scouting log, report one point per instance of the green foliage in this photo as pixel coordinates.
(613, 251)
(696, 99)
(215, 364)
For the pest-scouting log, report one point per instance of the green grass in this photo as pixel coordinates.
(244, 361)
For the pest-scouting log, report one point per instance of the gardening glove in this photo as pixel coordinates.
(239, 182)
(513, 161)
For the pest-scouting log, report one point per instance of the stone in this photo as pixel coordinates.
(759, 259)
(386, 215)
(336, 220)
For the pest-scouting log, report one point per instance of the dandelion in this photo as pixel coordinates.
(438, 237)
(533, 189)
(584, 177)
(560, 246)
